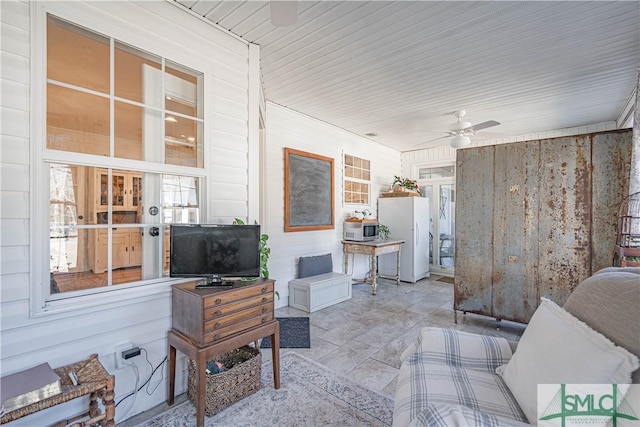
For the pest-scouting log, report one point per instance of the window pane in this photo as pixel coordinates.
(77, 56)
(77, 121)
(180, 199)
(183, 85)
(183, 141)
(137, 132)
(128, 131)
(137, 75)
(62, 196)
(436, 172)
(65, 249)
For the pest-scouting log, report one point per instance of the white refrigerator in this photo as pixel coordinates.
(408, 218)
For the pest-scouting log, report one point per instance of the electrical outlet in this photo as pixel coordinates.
(120, 347)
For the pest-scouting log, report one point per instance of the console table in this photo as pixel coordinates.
(373, 248)
(212, 321)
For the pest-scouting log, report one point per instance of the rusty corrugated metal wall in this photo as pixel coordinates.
(535, 218)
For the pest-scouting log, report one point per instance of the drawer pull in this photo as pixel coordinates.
(264, 290)
(264, 299)
(216, 337)
(264, 320)
(218, 300)
(217, 326)
(264, 309)
(217, 312)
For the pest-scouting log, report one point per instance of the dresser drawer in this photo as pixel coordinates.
(223, 310)
(235, 295)
(236, 317)
(218, 334)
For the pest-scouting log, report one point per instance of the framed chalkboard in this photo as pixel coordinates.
(308, 191)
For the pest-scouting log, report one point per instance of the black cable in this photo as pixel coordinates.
(147, 381)
(153, 371)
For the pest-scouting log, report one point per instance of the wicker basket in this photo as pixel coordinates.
(241, 379)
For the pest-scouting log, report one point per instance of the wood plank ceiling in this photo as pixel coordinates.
(401, 68)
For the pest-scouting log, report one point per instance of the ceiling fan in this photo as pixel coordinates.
(461, 131)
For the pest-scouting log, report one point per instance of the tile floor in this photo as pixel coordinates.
(363, 338)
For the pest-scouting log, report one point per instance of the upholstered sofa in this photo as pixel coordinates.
(455, 378)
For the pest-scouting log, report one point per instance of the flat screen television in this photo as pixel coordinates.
(214, 252)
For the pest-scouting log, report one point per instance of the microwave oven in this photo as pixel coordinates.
(360, 231)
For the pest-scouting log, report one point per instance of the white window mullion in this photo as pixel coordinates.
(112, 154)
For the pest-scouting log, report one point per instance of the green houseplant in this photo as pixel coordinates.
(407, 183)
(265, 251)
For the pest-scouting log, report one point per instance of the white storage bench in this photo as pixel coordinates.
(323, 290)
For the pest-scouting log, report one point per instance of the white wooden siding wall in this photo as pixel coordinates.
(286, 128)
(437, 155)
(142, 319)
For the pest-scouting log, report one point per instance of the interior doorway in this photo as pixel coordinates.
(438, 185)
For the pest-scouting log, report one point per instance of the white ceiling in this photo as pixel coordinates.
(401, 68)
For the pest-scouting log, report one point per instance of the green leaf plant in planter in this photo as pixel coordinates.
(407, 183)
(383, 231)
(265, 251)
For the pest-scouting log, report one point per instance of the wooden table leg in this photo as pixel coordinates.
(345, 254)
(398, 267)
(172, 375)
(275, 355)
(109, 403)
(200, 386)
(374, 284)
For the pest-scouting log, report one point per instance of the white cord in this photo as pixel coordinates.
(135, 391)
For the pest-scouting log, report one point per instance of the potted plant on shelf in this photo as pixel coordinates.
(383, 231)
(404, 184)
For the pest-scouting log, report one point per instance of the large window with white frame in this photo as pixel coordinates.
(123, 155)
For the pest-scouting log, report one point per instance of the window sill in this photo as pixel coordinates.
(62, 305)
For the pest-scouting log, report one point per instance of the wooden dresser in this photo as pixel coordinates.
(212, 321)
(206, 316)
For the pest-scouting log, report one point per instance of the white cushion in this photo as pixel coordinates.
(558, 348)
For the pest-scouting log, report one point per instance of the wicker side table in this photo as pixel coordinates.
(93, 380)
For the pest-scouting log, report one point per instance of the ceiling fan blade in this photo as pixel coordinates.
(283, 13)
(483, 125)
(431, 140)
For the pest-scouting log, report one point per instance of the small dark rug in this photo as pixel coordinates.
(294, 333)
(445, 279)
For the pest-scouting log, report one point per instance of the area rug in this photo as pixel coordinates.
(445, 279)
(294, 333)
(310, 395)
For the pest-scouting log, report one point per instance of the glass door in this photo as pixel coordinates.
(438, 185)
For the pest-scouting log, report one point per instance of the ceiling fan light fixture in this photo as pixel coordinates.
(459, 125)
(459, 141)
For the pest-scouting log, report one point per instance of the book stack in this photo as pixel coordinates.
(27, 387)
